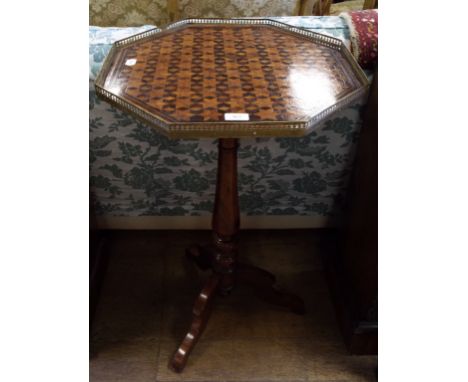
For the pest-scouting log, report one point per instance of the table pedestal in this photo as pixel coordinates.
(221, 257)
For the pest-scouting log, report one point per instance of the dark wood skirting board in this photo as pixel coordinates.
(351, 266)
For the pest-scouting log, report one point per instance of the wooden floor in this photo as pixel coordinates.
(147, 296)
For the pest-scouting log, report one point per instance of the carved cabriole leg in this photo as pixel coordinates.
(263, 285)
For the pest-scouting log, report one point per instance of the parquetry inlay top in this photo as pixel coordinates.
(195, 74)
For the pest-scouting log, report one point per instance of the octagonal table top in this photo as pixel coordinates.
(230, 78)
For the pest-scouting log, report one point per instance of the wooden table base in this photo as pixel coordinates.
(221, 257)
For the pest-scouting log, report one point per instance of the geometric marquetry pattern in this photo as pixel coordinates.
(189, 76)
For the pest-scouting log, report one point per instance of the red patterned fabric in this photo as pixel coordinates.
(363, 27)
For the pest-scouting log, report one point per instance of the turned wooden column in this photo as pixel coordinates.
(226, 215)
(221, 257)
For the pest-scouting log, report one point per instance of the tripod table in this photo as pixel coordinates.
(228, 79)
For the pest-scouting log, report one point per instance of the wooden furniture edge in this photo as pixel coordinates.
(358, 237)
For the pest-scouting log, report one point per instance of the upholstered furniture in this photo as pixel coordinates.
(127, 13)
(332, 8)
(238, 8)
(363, 29)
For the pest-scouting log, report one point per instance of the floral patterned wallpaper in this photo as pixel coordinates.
(136, 171)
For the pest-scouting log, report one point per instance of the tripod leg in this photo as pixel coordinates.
(202, 256)
(263, 283)
(201, 313)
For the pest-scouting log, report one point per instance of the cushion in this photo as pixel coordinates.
(363, 29)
